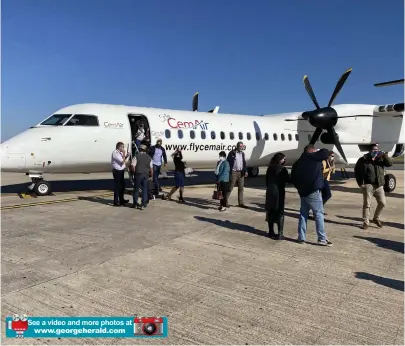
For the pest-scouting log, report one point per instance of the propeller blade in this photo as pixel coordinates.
(337, 143)
(310, 92)
(315, 136)
(339, 85)
(195, 102)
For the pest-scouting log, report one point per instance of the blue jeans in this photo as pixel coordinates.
(141, 181)
(326, 192)
(312, 202)
(156, 172)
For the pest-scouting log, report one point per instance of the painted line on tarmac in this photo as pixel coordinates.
(65, 200)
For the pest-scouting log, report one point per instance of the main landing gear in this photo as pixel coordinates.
(390, 182)
(39, 186)
(253, 172)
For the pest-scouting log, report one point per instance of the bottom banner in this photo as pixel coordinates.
(22, 326)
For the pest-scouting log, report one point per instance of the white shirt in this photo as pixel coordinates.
(116, 159)
(140, 135)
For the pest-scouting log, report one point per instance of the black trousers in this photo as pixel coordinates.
(119, 186)
(224, 187)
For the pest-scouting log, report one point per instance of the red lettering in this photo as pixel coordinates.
(188, 124)
(168, 122)
(179, 124)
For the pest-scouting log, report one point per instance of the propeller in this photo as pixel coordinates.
(325, 118)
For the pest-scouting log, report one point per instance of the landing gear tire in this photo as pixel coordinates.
(42, 188)
(253, 172)
(390, 183)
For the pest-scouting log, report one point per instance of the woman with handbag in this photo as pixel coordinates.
(178, 176)
(222, 178)
(276, 178)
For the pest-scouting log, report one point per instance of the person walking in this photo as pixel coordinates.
(328, 170)
(276, 178)
(179, 175)
(237, 164)
(143, 169)
(222, 178)
(369, 173)
(306, 175)
(118, 159)
(157, 153)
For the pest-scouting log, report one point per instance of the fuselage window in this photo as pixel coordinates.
(192, 134)
(240, 135)
(266, 136)
(248, 136)
(202, 134)
(222, 135)
(180, 133)
(212, 134)
(231, 136)
(282, 137)
(275, 136)
(258, 137)
(167, 133)
(83, 120)
(289, 137)
(56, 119)
(297, 138)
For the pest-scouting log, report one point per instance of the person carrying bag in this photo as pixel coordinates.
(222, 177)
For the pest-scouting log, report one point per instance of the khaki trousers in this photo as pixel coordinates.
(237, 177)
(370, 191)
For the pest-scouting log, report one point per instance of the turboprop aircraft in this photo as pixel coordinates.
(80, 138)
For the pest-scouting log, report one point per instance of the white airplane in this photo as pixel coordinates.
(80, 138)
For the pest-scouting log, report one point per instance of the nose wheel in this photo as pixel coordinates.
(40, 187)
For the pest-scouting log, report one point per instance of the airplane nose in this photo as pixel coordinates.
(11, 161)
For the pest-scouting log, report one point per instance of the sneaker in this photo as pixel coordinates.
(325, 242)
(181, 200)
(378, 222)
(222, 209)
(300, 241)
(365, 226)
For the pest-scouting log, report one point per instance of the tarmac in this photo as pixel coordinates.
(216, 275)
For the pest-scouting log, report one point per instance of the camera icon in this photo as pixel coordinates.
(149, 326)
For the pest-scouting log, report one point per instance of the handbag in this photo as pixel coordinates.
(217, 194)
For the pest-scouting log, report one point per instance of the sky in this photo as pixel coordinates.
(248, 57)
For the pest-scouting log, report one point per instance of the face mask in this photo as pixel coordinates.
(158, 144)
(373, 153)
(221, 158)
(282, 162)
(332, 158)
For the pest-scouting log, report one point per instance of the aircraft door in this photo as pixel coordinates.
(140, 131)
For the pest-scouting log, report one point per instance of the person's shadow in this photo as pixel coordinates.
(392, 283)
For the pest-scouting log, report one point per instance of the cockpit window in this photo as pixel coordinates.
(56, 119)
(83, 120)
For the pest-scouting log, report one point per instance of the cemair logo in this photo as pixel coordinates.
(174, 124)
(113, 125)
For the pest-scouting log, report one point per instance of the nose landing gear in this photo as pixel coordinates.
(39, 186)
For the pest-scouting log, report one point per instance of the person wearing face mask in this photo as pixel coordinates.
(222, 177)
(157, 153)
(237, 164)
(369, 174)
(276, 178)
(179, 175)
(328, 170)
(140, 134)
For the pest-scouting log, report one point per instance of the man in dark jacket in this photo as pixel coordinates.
(237, 164)
(369, 173)
(307, 177)
(157, 153)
